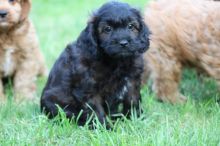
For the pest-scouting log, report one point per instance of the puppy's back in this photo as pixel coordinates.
(183, 23)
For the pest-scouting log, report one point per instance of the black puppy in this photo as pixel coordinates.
(102, 69)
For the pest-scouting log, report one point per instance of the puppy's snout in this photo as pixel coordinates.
(3, 13)
(124, 43)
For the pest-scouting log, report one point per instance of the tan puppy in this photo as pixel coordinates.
(184, 32)
(20, 56)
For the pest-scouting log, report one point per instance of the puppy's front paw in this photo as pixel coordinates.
(173, 99)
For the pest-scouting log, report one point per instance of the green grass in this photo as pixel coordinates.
(59, 22)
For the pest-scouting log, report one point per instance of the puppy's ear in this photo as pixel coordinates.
(88, 37)
(25, 9)
(144, 30)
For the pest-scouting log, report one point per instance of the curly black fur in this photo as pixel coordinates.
(102, 69)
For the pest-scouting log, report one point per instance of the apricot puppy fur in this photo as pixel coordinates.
(20, 57)
(184, 32)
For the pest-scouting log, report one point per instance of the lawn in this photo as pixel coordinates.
(59, 22)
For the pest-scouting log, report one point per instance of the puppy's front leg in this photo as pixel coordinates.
(133, 99)
(97, 107)
(24, 79)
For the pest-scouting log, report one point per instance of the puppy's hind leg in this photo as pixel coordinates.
(166, 75)
(53, 98)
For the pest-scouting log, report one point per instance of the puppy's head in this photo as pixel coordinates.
(13, 12)
(119, 31)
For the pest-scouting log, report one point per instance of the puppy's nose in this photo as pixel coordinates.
(3, 13)
(124, 43)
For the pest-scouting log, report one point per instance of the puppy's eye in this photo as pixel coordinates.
(131, 26)
(107, 29)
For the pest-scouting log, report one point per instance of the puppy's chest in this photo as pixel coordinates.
(110, 80)
(8, 61)
(114, 86)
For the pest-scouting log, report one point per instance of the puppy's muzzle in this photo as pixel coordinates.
(124, 43)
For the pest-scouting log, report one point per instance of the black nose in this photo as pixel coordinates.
(3, 13)
(123, 43)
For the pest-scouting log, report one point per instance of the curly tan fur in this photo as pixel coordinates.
(184, 32)
(20, 57)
